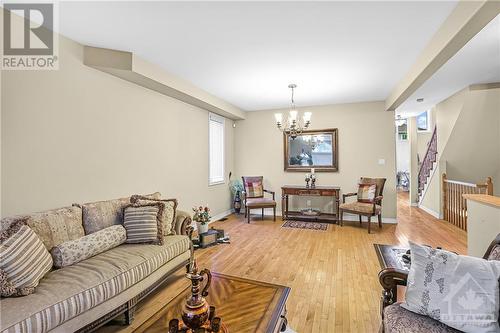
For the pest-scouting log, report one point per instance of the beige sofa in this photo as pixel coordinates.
(86, 295)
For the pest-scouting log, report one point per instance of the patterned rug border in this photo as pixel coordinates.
(306, 225)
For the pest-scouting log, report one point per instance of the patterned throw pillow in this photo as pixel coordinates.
(168, 215)
(143, 223)
(459, 291)
(254, 188)
(366, 192)
(73, 251)
(25, 261)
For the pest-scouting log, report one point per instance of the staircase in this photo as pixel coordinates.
(427, 164)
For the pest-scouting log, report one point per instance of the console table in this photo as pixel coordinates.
(317, 191)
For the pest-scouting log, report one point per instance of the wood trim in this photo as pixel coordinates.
(484, 198)
(333, 168)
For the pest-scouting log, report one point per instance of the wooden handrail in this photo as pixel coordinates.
(454, 203)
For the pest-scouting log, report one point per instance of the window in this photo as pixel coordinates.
(402, 129)
(216, 149)
(423, 122)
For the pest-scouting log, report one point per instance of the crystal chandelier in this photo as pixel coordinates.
(293, 126)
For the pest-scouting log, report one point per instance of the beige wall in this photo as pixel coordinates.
(472, 151)
(468, 132)
(79, 135)
(366, 134)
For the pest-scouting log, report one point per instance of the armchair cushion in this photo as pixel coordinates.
(399, 320)
(361, 207)
(260, 202)
(254, 187)
(366, 192)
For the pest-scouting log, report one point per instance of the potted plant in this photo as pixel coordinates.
(236, 189)
(201, 217)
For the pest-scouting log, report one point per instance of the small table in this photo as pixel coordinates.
(317, 191)
(391, 256)
(245, 306)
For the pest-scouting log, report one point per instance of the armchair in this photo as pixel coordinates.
(368, 209)
(254, 196)
(397, 319)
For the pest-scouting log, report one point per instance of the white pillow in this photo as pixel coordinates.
(459, 291)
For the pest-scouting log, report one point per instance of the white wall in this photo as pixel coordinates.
(80, 135)
(366, 134)
(402, 155)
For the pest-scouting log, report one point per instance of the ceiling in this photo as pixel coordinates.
(477, 62)
(248, 52)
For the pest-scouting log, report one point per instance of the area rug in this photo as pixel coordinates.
(305, 225)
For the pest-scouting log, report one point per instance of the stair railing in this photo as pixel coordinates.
(428, 162)
(454, 204)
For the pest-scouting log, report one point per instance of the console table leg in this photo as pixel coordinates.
(282, 206)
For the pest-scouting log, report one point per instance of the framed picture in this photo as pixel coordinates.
(423, 122)
(316, 149)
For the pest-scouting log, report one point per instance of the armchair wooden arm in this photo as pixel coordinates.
(270, 192)
(390, 279)
(348, 195)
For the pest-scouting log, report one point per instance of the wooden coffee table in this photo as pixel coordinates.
(244, 305)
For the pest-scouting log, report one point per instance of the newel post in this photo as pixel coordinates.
(489, 186)
(444, 187)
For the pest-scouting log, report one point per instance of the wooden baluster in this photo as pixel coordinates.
(489, 186)
(443, 185)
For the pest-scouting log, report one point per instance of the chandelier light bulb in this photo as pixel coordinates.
(294, 125)
(307, 117)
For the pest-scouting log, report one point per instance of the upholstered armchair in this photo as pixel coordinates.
(368, 208)
(395, 318)
(254, 196)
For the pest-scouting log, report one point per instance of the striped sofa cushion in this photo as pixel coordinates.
(25, 260)
(70, 291)
(143, 223)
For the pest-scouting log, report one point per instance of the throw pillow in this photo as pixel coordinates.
(254, 187)
(459, 291)
(143, 223)
(25, 261)
(366, 192)
(73, 251)
(168, 215)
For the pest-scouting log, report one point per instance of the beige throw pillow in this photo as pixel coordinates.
(25, 261)
(143, 223)
(168, 214)
(73, 251)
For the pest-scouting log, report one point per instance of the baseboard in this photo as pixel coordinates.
(429, 211)
(219, 216)
(414, 204)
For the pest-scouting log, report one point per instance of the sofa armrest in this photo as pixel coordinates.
(390, 279)
(183, 223)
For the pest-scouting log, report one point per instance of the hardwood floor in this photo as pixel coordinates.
(332, 274)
